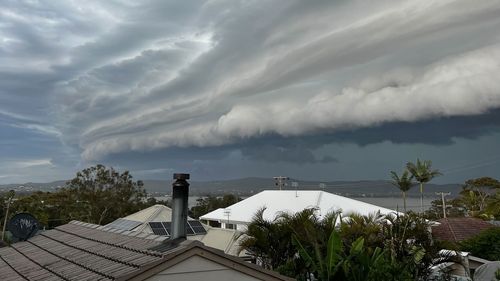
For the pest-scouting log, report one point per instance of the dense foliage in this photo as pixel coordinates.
(485, 245)
(332, 247)
(96, 195)
(479, 197)
(209, 203)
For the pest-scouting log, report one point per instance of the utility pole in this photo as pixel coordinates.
(280, 181)
(443, 194)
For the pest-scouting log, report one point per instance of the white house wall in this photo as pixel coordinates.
(199, 268)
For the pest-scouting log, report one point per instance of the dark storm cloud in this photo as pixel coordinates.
(269, 81)
(288, 153)
(438, 131)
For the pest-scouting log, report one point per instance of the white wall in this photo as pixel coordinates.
(199, 268)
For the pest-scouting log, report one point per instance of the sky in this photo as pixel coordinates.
(326, 90)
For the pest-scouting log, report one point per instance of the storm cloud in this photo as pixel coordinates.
(272, 81)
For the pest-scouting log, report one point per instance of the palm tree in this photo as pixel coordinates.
(422, 173)
(403, 182)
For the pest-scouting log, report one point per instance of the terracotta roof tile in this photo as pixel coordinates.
(458, 229)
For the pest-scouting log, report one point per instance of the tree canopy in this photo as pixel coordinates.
(209, 203)
(97, 195)
(332, 247)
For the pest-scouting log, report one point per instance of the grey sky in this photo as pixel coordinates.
(225, 89)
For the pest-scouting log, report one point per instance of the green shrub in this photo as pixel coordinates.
(485, 245)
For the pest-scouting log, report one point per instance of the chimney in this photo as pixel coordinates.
(180, 194)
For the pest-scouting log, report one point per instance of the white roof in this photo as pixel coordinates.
(291, 201)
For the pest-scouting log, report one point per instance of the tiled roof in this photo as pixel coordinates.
(458, 229)
(82, 251)
(78, 251)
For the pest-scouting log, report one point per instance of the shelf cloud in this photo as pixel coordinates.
(111, 78)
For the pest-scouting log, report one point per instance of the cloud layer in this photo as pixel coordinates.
(109, 78)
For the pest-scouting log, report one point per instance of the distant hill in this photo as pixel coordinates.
(374, 188)
(248, 186)
(33, 186)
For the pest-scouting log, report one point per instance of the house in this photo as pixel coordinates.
(459, 265)
(240, 214)
(146, 221)
(157, 220)
(458, 229)
(83, 251)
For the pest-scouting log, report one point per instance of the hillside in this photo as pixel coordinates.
(246, 186)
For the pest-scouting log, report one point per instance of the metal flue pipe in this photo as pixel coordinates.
(180, 194)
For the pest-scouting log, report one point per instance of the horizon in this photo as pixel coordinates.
(325, 90)
(235, 179)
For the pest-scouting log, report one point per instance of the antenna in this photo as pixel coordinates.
(280, 181)
(23, 226)
(227, 212)
(296, 185)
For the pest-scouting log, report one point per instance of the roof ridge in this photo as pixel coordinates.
(92, 253)
(147, 252)
(157, 210)
(74, 262)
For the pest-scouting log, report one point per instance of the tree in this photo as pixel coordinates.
(480, 187)
(105, 194)
(267, 241)
(422, 172)
(403, 182)
(354, 247)
(209, 203)
(454, 208)
(485, 245)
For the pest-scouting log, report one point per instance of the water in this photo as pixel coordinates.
(393, 203)
(396, 203)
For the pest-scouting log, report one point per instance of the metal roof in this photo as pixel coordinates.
(291, 201)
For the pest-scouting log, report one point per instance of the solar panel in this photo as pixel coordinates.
(155, 225)
(189, 230)
(165, 228)
(168, 226)
(124, 224)
(197, 227)
(158, 229)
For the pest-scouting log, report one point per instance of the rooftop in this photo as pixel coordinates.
(82, 251)
(459, 229)
(291, 201)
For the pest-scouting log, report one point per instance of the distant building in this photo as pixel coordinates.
(82, 251)
(239, 215)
